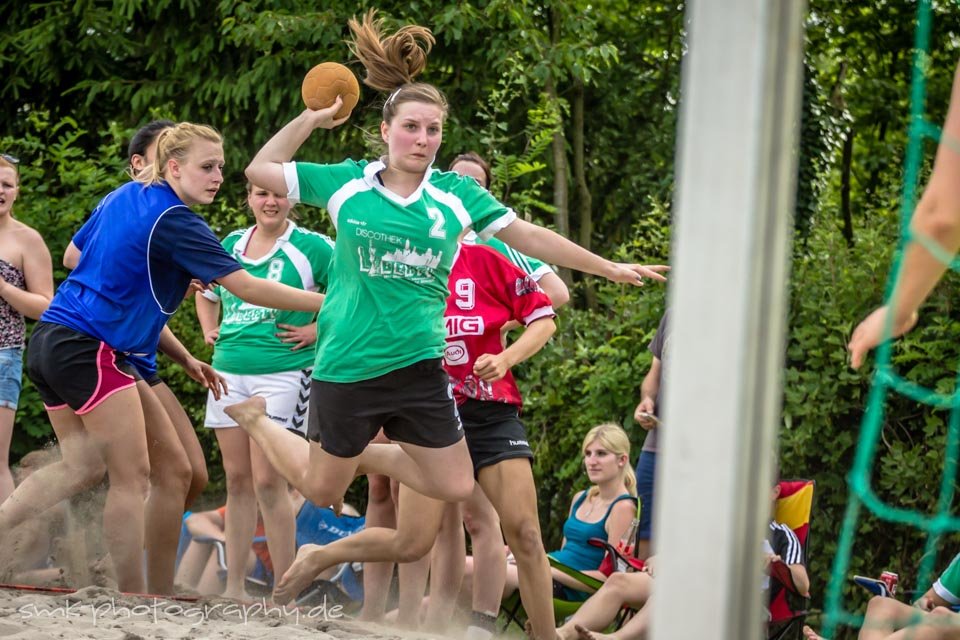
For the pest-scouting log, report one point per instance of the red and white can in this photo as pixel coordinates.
(890, 579)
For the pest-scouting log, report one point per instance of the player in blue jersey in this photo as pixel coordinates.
(142, 250)
(178, 470)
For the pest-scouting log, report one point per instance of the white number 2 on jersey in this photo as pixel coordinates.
(465, 294)
(437, 230)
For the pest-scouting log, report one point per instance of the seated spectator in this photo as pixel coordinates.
(634, 590)
(605, 510)
(930, 617)
(199, 568)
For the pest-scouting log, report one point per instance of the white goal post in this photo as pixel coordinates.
(736, 175)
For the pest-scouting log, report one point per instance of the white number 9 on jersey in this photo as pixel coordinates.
(465, 294)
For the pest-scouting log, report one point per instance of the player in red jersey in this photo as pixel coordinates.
(486, 293)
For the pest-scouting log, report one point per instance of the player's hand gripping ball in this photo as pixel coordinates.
(325, 82)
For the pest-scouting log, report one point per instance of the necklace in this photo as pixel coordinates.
(596, 502)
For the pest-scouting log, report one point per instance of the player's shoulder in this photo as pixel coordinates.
(310, 238)
(233, 238)
(452, 182)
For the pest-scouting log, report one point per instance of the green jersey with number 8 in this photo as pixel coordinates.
(248, 344)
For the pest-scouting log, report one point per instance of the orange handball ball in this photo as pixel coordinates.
(325, 82)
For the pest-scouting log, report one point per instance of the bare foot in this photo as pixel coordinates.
(810, 634)
(305, 568)
(239, 595)
(567, 632)
(528, 629)
(247, 412)
(586, 634)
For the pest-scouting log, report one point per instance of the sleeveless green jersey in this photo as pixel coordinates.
(248, 344)
(388, 278)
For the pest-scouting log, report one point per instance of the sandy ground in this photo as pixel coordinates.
(96, 613)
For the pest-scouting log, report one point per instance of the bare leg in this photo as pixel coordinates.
(446, 570)
(883, 617)
(418, 523)
(124, 446)
(489, 561)
(381, 512)
(7, 416)
(188, 438)
(632, 589)
(279, 521)
(241, 516)
(413, 583)
(169, 481)
(321, 478)
(509, 485)
(210, 583)
(193, 563)
(443, 474)
(939, 624)
(412, 578)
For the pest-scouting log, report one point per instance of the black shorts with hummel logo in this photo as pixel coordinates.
(494, 433)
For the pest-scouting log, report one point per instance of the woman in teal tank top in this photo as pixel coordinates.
(605, 510)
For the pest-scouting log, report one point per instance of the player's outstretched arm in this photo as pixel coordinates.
(550, 246)
(937, 218)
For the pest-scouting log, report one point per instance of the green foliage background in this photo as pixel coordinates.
(79, 76)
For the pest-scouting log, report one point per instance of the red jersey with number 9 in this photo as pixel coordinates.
(486, 292)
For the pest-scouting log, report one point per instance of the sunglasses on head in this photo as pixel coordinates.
(9, 158)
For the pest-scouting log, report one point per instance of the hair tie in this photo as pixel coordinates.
(393, 96)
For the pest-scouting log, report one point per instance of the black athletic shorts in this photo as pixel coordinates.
(494, 433)
(153, 379)
(72, 369)
(413, 405)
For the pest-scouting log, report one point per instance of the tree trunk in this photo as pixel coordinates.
(561, 195)
(583, 198)
(845, 164)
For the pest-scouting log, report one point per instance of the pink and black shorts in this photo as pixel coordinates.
(71, 369)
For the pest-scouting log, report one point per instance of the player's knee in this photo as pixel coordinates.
(239, 482)
(199, 477)
(880, 606)
(269, 488)
(411, 550)
(479, 524)
(457, 488)
(320, 493)
(85, 476)
(524, 537)
(378, 490)
(134, 476)
(173, 475)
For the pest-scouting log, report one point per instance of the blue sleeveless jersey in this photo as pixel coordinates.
(139, 251)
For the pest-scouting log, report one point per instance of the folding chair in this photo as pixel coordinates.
(511, 609)
(794, 508)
